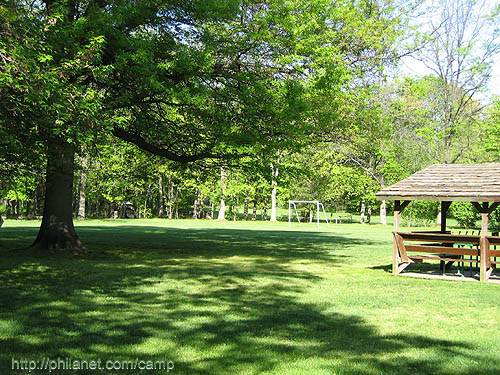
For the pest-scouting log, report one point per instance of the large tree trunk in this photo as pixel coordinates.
(57, 230)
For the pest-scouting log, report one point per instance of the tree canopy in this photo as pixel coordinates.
(182, 80)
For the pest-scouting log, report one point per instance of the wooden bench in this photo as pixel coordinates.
(439, 246)
(493, 241)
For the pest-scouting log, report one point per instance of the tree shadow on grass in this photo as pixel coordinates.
(221, 242)
(235, 324)
(130, 240)
(204, 309)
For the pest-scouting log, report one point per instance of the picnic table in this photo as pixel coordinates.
(446, 247)
(344, 217)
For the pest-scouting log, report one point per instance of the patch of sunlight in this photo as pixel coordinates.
(194, 322)
(9, 328)
(32, 340)
(94, 314)
(64, 304)
(153, 346)
(317, 365)
(270, 340)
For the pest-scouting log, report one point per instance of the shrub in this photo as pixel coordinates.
(465, 214)
(494, 222)
(420, 213)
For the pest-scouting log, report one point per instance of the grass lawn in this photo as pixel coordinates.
(239, 298)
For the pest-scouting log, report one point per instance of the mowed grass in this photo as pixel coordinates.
(239, 298)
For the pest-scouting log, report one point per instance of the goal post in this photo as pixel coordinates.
(319, 207)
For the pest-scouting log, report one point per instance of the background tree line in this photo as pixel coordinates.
(184, 108)
(395, 137)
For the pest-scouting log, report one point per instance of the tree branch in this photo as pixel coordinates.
(146, 146)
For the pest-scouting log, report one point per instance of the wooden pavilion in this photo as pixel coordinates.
(447, 183)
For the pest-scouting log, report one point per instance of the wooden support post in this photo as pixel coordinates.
(484, 245)
(398, 208)
(444, 209)
(395, 255)
(485, 265)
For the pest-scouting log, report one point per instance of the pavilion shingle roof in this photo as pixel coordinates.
(449, 182)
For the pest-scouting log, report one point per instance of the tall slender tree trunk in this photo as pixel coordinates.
(383, 213)
(274, 185)
(254, 210)
(27, 211)
(383, 204)
(82, 184)
(57, 230)
(196, 203)
(264, 208)
(161, 205)
(245, 209)
(232, 208)
(363, 211)
(170, 198)
(222, 209)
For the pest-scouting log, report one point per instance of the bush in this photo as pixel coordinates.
(465, 214)
(494, 222)
(420, 213)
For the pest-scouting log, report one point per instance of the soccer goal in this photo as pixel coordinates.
(318, 211)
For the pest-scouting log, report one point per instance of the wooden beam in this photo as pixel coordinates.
(485, 207)
(395, 251)
(493, 206)
(478, 207)
(441, 237)
(401, 248)
(421, 258)
(434, 197)
(441, 249)
(398, 207)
